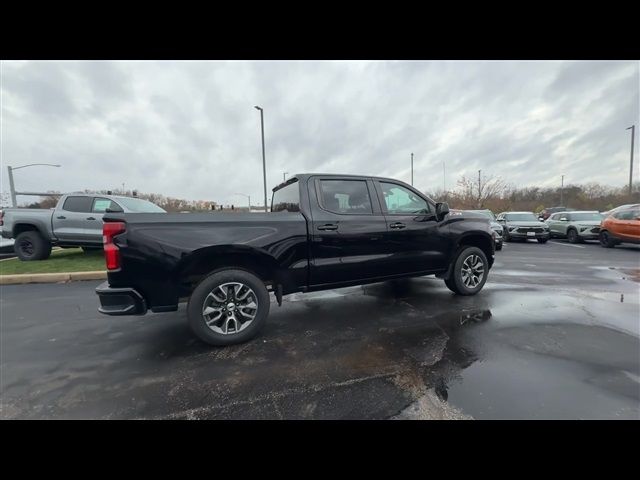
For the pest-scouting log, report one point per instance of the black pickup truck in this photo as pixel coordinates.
(323, 231)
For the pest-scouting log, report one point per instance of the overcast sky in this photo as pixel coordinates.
(189, 129)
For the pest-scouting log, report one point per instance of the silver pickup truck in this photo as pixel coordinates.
(76, 221)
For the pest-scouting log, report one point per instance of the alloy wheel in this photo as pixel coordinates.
(472, 271)
(230, 308)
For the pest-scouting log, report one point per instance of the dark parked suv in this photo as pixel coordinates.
(523, 226)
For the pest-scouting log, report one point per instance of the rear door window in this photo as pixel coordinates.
(78, 204)
(345, 197)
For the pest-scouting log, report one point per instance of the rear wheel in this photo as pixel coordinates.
(572, 236)
(31, 246)
(606, 241)
(228, 307)
(469, 273)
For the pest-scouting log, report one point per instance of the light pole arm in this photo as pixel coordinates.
(34, 164)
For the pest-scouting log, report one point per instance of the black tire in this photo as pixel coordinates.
(543, 240)
(201, 293)
(30, 246)
(456, 283)
(605, 240)
(572, 236)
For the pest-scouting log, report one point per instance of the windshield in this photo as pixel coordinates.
(140, 206)
(586, 216)
(523, 217)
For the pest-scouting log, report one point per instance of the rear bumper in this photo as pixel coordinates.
(120, 301)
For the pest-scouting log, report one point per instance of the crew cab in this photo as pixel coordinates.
(323, 232)
(76, 221)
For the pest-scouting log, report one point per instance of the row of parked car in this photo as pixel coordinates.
(619, 225)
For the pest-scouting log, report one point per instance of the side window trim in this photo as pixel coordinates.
(320, 196)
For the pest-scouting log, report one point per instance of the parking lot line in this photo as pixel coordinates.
(568, 245)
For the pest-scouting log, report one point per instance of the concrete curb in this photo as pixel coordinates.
(51, 277)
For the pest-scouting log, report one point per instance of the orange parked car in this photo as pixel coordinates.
(622, 226)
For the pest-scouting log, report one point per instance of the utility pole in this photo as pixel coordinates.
(479, 191)
(633, 130)
(412, 169)
(284, 176)
(264, 162)
(562, 191)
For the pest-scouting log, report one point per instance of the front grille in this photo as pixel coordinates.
(595, 230)
(529, 229)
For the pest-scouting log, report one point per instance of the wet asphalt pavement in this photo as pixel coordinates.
(554, 334)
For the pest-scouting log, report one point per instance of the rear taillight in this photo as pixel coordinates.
(111, 250)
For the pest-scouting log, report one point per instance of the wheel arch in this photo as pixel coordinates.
(482, 240)
(22, 227)
(200, 263)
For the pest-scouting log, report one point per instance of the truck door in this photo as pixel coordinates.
(69, 220)
(347, 231)
(414, 237)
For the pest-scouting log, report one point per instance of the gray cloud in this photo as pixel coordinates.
(189, 129)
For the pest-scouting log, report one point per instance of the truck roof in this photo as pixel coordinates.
(303, 176)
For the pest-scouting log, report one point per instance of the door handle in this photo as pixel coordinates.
(328, 226)
(61, 217)
(91, 218)
(397, 225)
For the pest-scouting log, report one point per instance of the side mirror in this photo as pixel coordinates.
(442, 208)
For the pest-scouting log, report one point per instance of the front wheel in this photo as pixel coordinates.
(228, 307)
(469, 273)
(543, 240)
(606, 241)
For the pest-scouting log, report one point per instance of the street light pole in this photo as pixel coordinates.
(412, 169)
(264, 162)
(562, 191)
(284, 176)
(12, 187)
(444, 182)
(633, 130)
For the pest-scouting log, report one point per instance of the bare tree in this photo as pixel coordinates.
(473, 194)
